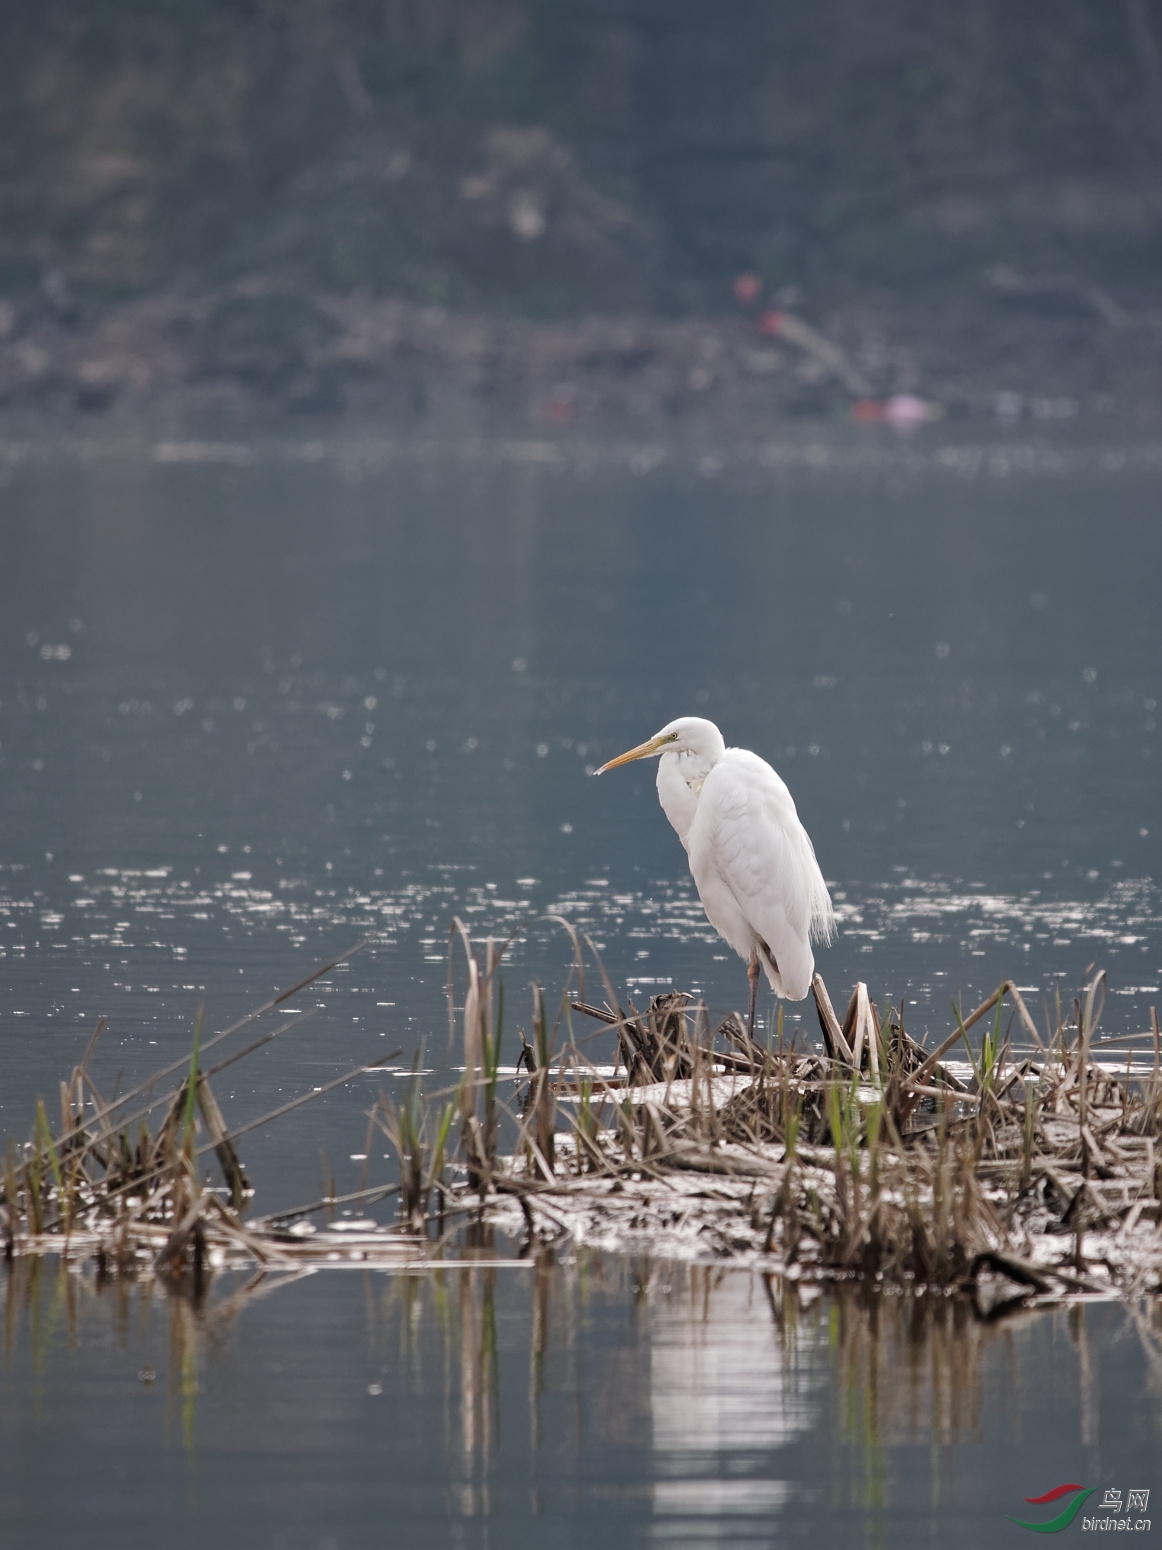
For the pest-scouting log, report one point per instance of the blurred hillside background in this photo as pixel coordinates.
(319, 203)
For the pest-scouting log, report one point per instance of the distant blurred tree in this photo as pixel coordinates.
(848, 142)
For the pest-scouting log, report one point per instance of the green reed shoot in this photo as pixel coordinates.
(586, 1126)
(490, 1061)
(1030, 1132)
(792, 1119)
(436, 1172)
(985, 1066)
(34, 1184)
(492, 1042)
(835, 1118)
(626, 1128)
(872, 1136)
(404, 1129)
(10, 1188)
(541, 1036)
(845, 1138)
(542, 1102)
(189, 1118)
(43, 1141)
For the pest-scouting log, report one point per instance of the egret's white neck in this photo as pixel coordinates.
(680, 777)
(691, 765)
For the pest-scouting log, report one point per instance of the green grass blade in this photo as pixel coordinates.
(190, 1116)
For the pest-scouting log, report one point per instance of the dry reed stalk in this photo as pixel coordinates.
(837, 1046)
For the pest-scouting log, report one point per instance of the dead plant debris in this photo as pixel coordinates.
(1016, 1173)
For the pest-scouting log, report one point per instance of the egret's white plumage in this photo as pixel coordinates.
(751, 858)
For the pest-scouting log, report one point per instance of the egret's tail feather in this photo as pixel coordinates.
(822, 927)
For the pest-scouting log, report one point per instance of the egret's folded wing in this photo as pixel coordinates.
(761, 849)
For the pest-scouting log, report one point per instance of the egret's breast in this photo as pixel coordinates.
(679, 801)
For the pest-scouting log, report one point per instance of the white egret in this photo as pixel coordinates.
(751, 858)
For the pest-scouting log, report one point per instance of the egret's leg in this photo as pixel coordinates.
(752, 974)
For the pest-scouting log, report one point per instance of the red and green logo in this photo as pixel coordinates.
(1063, 1518)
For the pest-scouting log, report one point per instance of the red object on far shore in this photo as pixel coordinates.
(867, 411)
(771, 322)
(560, 403)
(747, 288)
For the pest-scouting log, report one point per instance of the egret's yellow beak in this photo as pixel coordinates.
(642, 751)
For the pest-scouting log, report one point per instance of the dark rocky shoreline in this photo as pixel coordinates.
(255, 352)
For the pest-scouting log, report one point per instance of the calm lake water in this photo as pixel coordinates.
(259, 700)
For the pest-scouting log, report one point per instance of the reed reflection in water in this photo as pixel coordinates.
(573, 1395)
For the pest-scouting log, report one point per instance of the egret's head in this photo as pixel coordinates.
(689, 734)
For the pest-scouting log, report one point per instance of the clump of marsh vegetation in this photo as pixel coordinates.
(1008, 1162)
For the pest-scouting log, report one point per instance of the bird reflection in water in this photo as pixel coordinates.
(729, 1386)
